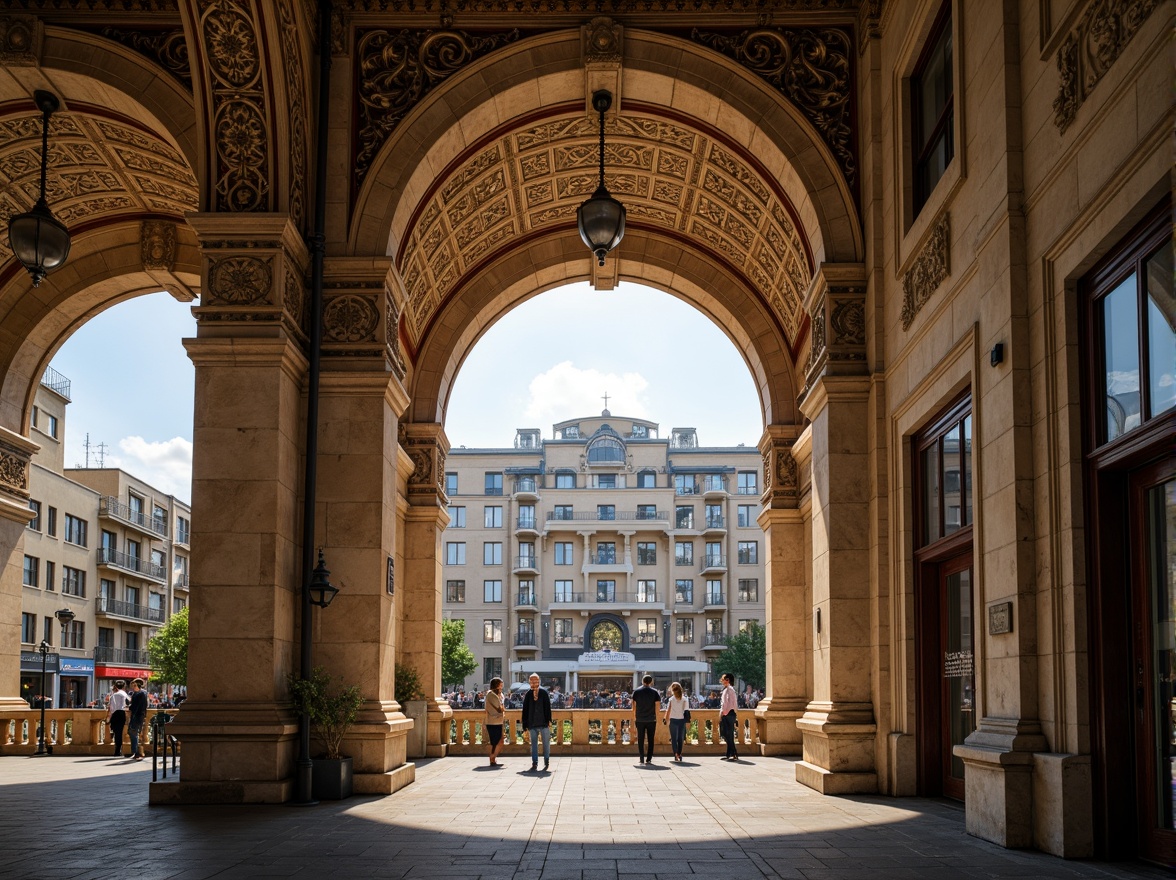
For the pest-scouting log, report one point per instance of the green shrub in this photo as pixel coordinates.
(332, 712)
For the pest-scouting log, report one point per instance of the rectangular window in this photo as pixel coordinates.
(457, 517)
(684, 632)
(525, 633)
(455, 553)
(526, 594)
(606, 511)
(606, 591)
(563, 631)
(684, 591)
(73, 582)
(35, 522)
(492, 553)
(565, 481)
(52, 425)
(527, 516)
(746, 516)
(932, 94)
(491, 591)
(683, 553)
(493, 483)
(105, 589)
(492, 631)
(51, 522)
(646, 511)
(684, 517)
(527, 558)
(563, 591)
(646, 591)
(684, 484)
(492, 666)
(647, 480)
(131, 641)
(183, 530)
(943, 461)
(75, 635)
(132, 594)
(32, 571)
(749, 589)
(714, 593)
(133, 551)
(450, 484)
(647, 553)
(563, 553)
(109, 540)
(714, 630)
(746, 623)
(606, 553)
(605, 481)
(178, 605)
(749, 552)
(714, 554)
(647, 630)
(492, 518)
(714, 516)
(455, 591)
(562, 512)
(28, 628)
(50, 576)
(748, 483)
(105, 637)
(47, 629)
(75, 530)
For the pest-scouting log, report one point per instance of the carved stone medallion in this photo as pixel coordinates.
(241, 281)
(930, 268)
(350, 318)
(158, 245)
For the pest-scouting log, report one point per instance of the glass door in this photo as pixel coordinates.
(1154, 668)
(958, 676)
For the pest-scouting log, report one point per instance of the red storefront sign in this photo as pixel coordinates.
(121, 672)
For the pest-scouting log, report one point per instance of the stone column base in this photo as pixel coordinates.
(775, 720)
(378, 745)
(838, 748)
(998, 780)
(1063, 821)
(438, 721)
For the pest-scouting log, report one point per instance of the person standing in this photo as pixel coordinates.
(116, 715)
(138, 707)
(646, 701)
(495, 719)
(676, 714)
(728, 719)
(537, 721)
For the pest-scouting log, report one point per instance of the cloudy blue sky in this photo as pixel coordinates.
(552, 358)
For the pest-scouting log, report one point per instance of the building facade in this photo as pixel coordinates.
(108, 547)
(603, 539)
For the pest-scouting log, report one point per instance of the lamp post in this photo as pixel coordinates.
(601, 219)
(42, 749)
(318, 591)
(38, 239)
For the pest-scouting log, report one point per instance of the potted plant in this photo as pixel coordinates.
(411, 697)
(332, 712)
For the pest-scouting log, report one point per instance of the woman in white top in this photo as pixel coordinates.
(675, 713)
(495, 719)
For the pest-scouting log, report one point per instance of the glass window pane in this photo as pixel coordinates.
(966, 467)
(1161, 332)
(1120, 317)
(1161, 555)
(958, 662)
(952, 481)
(931, 494)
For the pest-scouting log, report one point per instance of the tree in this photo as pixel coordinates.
(746, 656)
(457, 660)
(169, 650)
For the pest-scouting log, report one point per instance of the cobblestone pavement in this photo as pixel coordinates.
(589, 818)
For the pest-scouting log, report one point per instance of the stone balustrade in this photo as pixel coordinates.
(599, 732)
(70, 731)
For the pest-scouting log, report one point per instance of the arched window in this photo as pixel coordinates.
(606, 447)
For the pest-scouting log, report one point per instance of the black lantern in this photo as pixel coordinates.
(321, 591)
(601, 219)
(38, 239)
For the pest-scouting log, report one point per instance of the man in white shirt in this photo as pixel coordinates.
(117, 717)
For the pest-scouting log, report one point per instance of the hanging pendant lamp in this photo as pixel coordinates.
(37, 238)
(601, 219)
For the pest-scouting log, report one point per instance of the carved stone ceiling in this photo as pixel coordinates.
(670, 177)
(99, 167)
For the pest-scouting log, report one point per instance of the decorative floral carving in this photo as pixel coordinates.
(602, 41)
(398, 68)
(295, 97)
(294, 297)
(20, 41)
(1095, 43)
(787, 475)
(849, 322)
(168, 48)
(241, 281)
(350, 318)
(14, 470)
(930, 268)
(812, 67)
(817, 347)
(392, 337)
(583, 7)
(158, 245)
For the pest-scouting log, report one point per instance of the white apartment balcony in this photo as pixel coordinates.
(714, 487)
(136, 565)
(527, 525)
(615, 599)
(526, 640)
(110, 507)
(526, 565)
(127, 611)
(714, 641)
(714, 563)
(581, 520)
(715, 599)
(525, 489)
(526, 600)
(715, 525)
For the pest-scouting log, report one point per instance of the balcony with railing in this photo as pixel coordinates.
(111, 507)
(527, 524)
(526, 564)
(525, 638)
(56, 382)
(565, 639)
(646, 638)
(715, 599)
(687, 488)
(714, 485)
(128, 610)
(182, 582)
(714, 640)
(608, 596)
(527, 599)
(525, 488)
(747, 490)
(127, 656)
(134, 564)
(713, 562)
(714, 524)
(656, 519)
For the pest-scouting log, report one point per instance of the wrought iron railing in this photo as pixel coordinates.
(111, 506)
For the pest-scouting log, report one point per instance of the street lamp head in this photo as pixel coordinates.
(38, 239)
(601, 219)
(65, 616)
(321, 590)
(43, 648)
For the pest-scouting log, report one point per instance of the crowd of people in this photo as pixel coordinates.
(154, 701)
(599, 699)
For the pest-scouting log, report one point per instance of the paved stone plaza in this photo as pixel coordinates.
(590, 818)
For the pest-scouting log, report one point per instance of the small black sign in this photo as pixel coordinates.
(391, 576)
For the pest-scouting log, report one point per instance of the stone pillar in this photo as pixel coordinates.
(838, 727)
(786, 596)
(15, 453)
(420, 608)
(361, 398)
(237, 727)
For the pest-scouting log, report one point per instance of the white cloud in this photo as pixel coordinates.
(164, 464)
(565, 391)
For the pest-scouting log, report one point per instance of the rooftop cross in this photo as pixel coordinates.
(606, 400)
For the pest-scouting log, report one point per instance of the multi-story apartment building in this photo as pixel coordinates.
(104, 544)
(603, 553)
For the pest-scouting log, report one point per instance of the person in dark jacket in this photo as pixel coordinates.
(645, 704)
(138, 707)
(537, 721)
